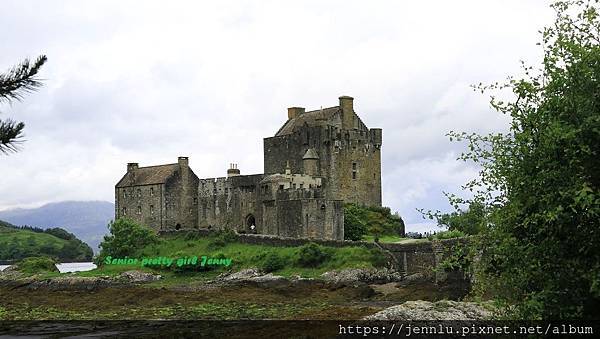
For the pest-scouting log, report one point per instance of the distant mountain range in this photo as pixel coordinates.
(88, 220)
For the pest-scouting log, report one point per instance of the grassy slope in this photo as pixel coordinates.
(22, 238)
(243, 256)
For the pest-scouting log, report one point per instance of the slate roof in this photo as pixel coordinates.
(148, 175)
(320, 117)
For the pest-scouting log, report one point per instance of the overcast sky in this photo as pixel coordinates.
(149, 81)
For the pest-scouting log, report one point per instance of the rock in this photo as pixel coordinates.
(139, 276)
(439, 310)
(244, 274)
(11, 268)
(251, 275)
(71, 283)
(370, 276)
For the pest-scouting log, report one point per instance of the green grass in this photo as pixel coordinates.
(242, 255)
(383, 238)
(19, 243)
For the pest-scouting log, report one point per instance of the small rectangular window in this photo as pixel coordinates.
(139, 193)
(354, 175)
(151, 191)
(139, 210)
(124, 211)
(354, 166)
(280, 187)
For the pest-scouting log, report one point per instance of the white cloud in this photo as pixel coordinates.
(132, 82)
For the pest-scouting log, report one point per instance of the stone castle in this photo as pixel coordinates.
(316, 162)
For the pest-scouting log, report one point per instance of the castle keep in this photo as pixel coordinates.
(316, 162)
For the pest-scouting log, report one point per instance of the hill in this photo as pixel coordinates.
(88, 220)
(18, 243)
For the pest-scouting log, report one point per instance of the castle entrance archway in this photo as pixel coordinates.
(250, 223)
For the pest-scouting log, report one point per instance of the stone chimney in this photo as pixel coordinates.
(233, 171)
(183, 162)
(294, 112)
(347, 107)
(132, 166)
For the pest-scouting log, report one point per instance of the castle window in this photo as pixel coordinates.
(354, 175)
(124, 194)
(301, 185)
(294, 186)
(139, 210)
(354, 166)
(151, 209)
(124, 211)
(195, 201)
(151, 191)
(280, 187)
(139, 193)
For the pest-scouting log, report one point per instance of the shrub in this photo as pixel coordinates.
(222, 238)
(447, 235)
(37, 265)
(311, 255)
(273, 262)
(125, 239)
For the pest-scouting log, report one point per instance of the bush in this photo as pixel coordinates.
(373, 220)
(273, 262)
(311, 255)
(126, 238)
(37, 265)
(447, 235)
(222, 238)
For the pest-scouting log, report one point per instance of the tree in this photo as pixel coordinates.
(125, 239)
(539, 183)
(14, 84)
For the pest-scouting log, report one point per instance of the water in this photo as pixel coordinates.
(68, 267)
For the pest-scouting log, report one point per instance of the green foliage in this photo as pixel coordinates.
(539, 183)
(447, 235)
(311, 255)
(222, 238)
(471, 221)
(14, 84)
(377, 221)
(37, 265)
(22, 242)
(273, 261)
(126, 238)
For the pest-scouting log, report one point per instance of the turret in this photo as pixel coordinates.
(310, 162)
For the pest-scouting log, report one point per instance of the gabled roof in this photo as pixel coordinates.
(148, 175)
(320, 117)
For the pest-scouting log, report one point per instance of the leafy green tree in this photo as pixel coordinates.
(354, 224)
(14, 84)
(539, 183)
(374, 220)
(125, 239)
(471, 221)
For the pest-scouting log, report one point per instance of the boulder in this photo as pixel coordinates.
(368, 275)
(439, 310)
(139, 276)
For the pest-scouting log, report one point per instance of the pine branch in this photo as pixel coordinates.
(20, 80)
(10, 135)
